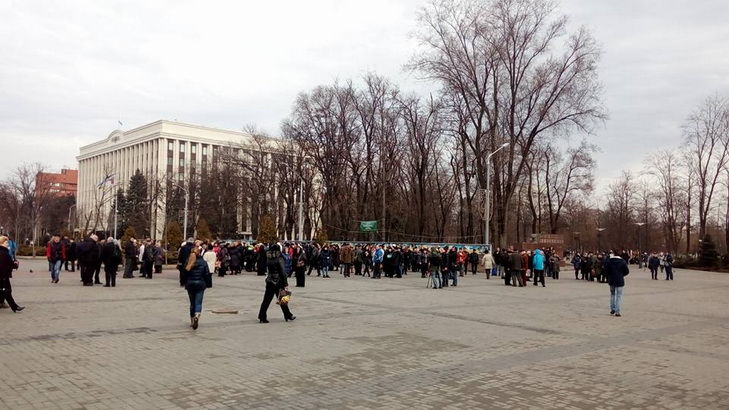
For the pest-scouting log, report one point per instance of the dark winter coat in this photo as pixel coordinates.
(88, 253)
(276, 269)
(198, 277)
(6, 263)
(616, 269)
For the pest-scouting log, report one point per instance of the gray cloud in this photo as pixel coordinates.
(71, 69)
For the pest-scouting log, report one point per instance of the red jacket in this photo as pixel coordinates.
(60, 248)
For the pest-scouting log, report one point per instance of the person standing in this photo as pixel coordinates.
(653, 263)
(325, 259)
(299, 262)
(196, 277)
(71, 255)
(97, 269)
(275, 283)
(616, 269)
(7, 264)
(515, 268)
(159, 257)
(347, 259)
(358, 256)
(111, 255)
(434, 261)
(130, 257)
(378, 258)
(538, 264)
(367, 262)
(668, 266)
(88, 258)
(56, 255)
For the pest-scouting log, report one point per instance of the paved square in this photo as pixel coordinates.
(360, 343)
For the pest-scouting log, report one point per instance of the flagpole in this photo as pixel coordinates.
(116, 208)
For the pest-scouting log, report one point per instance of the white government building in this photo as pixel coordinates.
(167, 149)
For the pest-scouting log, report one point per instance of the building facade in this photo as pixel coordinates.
(167, 151)
(60, 184)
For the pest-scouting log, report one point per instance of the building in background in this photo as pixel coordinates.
(64, 183)
(171, 155)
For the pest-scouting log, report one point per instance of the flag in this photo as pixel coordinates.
(109, 181)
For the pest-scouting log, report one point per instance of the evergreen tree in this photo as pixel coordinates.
(267, 230)
(128, 233)
(203, 230)
(174, 236)
(137, 203)
(123, 215)
(708, 256)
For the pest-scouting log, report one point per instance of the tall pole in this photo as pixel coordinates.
(301, 209)
(116, 210)
(187, 198)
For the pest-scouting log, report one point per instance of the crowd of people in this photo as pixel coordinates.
(198, 261)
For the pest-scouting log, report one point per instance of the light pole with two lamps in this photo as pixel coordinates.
(487, 201)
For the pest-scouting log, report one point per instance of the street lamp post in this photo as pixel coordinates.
(640, 247)
(184, 217)
(487, 201)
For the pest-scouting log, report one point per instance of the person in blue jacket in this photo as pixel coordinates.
(539, 263)
(196, 278)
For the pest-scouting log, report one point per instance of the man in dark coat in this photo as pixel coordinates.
(88, 259)
(130, 257)
(616, 269)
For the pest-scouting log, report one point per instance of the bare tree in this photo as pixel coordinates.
(497, 60)
(706, 135)
(670, 190)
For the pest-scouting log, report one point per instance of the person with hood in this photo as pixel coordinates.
(616, 269)
(299, 262)
(539, 264)
(275, 283)
(347, 258)
(196, 277)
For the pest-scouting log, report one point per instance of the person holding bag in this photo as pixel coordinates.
(196, 277)
(276, 284)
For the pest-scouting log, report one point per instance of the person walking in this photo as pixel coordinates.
(56, 255)
(275, 283)
(325, 258)
(616, 269)
(473, 261)
(7, 264)
(196, 278)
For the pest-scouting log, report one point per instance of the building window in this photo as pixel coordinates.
(205, 150)
(170, 145)
(193, 148)
(182, 147)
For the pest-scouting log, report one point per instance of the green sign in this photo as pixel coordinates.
(368, 226)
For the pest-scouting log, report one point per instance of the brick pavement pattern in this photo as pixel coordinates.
(360, 343)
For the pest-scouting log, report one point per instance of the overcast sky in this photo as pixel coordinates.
(71, 69)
